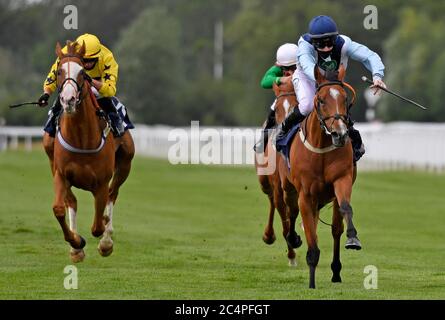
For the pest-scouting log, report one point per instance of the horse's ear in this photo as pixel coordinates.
(70, 47)
(59, 50)
(81, 51)
(341, 72)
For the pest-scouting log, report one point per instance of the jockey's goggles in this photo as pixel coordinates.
(289, 68)
(324, 42)
(89, 60)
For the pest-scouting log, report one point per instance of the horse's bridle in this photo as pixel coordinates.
(344, 117)
(78, 87)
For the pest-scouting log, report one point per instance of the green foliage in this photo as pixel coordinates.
(415, 54)
(150, 69)
(165, 50)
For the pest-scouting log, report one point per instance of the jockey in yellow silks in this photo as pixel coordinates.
(102, 68)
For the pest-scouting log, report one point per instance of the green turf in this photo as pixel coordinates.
(194, 232)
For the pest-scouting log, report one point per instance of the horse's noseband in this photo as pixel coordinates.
(344, 117)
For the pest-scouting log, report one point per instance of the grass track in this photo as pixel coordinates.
(194, 232)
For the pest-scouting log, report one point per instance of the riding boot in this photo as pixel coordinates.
(117, 125)
(53, 115)
(358, 148)
(270, 123)
(292, 120)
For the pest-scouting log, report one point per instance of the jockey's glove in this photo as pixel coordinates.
(43, 100)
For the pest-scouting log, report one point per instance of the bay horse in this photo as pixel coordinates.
(322, 169)
(84, 155)
(271, 184)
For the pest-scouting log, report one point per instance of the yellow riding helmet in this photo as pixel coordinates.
(92, 45)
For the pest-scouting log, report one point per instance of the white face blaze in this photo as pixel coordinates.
(335, 94)
(286, 106)
(69, 94)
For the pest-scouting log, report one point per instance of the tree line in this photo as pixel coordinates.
(166, 54)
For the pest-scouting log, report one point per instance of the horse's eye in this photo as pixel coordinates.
(320, 101)
(59, 72)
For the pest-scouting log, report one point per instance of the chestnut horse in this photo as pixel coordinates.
(322, 169)
(84, 155)
(271, 184)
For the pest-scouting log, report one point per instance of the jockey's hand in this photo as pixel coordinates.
(43, 100)
(87, 78)
(378, 83)
(287, 79)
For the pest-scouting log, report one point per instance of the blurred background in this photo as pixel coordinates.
(203, 59)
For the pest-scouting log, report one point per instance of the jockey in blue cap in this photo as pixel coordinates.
(322, 46)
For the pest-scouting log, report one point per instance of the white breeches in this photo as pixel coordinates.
(305, 91)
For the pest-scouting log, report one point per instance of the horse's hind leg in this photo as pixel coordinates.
(48, 145)
(77, 255)
(124, 155)
(269, 234)
(284, 215)
(337, 231)
(291, 200)
(61, 194)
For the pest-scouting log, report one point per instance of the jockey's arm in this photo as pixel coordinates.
(273, 75)
(50, 83)
(306, 58)
(370, 59)
(107, 85)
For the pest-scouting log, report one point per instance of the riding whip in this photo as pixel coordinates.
(22, 104)
(395, 94)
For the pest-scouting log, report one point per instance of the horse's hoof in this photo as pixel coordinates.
(353, 244)
(293, 262)
(294, 240)
(105, 247)
(336, 278)
(269, 239)
(77, 255)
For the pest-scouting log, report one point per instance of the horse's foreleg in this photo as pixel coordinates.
(308, 213)
(77, 255)
(337, 231)
(60, 188)
(343, 190)
(100, 202)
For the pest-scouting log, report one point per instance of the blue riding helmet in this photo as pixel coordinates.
(322, 27)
